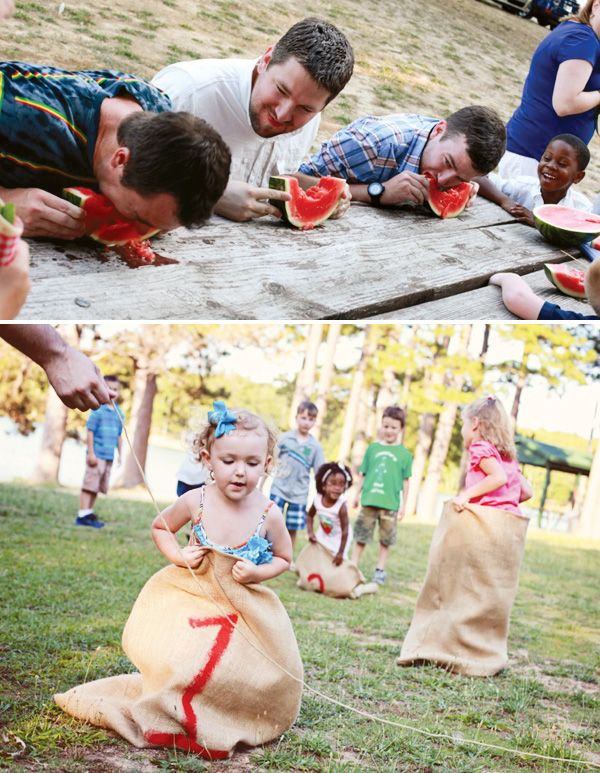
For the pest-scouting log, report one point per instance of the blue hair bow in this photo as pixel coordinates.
(222, 418)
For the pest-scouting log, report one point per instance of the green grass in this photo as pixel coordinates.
(67, 593)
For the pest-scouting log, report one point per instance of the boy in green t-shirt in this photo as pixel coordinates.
(386, 468)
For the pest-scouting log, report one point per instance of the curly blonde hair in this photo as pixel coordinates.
(245, 421)
(494, 424)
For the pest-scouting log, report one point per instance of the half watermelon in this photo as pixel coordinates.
(311, 207)
(564, 226)
(103, 223)
(566, 278)
(450, 202)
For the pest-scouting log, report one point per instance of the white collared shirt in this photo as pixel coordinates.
(526, 190)
(218, 90)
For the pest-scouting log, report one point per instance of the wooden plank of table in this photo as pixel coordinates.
(370, 262)
(485, 303)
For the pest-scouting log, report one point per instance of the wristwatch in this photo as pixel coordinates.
(375, 191)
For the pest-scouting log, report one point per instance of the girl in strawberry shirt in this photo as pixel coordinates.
(334, 532)
(493, 476)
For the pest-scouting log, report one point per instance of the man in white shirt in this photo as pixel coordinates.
(266, 110)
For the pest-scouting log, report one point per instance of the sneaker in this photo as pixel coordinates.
(91, 519)
(379, 576)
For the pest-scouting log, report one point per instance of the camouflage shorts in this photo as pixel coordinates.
(365, 525)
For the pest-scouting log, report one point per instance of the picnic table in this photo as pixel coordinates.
(370, 264)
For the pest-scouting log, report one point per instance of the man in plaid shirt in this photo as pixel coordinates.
(385, 159)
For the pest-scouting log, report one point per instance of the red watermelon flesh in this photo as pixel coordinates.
(308, 208)
(450, 202)
(103, 223)
(596, 243)
(566, 278)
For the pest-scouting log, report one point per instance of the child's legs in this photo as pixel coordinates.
(388, 522)
(87, 499)
(294, 514)
(95, 480)
(363, 531)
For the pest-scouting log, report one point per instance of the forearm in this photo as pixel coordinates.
(517, 296)
(90, 443)
(484, 486)
(167, 543)
(488, 190)
(41, 343)
(567, 103)
(274, 568)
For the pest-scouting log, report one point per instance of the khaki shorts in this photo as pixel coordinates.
(365, 525)
(96, 478)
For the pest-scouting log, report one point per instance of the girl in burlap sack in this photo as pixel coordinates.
(232, 515)
(493, 476)
(462, 615)
(334, 531)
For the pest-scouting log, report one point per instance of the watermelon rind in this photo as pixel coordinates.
(555, 273)
(283, 183)
(558, 235)
(79, 196)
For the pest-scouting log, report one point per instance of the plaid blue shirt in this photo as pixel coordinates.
(106, 424)
(49, 121)
(373, 149)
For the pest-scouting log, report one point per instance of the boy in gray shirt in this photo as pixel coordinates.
(299, 453)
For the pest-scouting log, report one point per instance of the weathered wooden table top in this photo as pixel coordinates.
(372, 263)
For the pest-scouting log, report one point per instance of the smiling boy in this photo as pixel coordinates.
(561, 166)
(267, 109)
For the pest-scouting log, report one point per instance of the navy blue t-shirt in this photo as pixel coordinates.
(49, 121)
(534, 123)
(553, 311)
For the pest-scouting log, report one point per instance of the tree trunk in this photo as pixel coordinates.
(326, 376)
(589, 523)
(55, 425)
(145, 390)
(514, 411)
(349, 427)
(305, 383)
(424, 441)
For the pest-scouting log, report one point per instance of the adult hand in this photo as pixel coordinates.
(44, 214)
(76, 380)
(244, 571)
(15, 283)
(7, 8)
(191, 555)
(405, 188)
(343, 204)
(242, 202)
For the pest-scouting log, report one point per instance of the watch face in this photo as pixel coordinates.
(375, 189)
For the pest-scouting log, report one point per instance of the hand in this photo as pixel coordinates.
(356, 503)
(337, 559)
(343, 204)
(460, 501)
(244, 572)
(312, 538)
(92, 460)
(191, 555)
(242, 201)
(405, 188)
(15, 283)
(474, 192)
(518, 211)
(401, 514)
(44, 214)
(7, 8)
(77, 381)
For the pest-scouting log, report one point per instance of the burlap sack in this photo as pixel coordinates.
(202, 687)
(463, 609)
(317, 572)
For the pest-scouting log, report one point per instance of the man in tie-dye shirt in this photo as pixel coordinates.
(108, 131)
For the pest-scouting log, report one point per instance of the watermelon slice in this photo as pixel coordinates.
(103, 223)
(564, 226)
(450, 202)
(566, 278)
(10, 231)
(311, 207)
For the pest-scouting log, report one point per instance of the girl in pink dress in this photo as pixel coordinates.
(493, 476)
(334, 531)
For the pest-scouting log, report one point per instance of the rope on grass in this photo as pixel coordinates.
(367, 715)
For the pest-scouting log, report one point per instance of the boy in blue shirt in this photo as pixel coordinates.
(520, 299)
(104, 427)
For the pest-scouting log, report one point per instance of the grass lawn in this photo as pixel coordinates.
(67, 593)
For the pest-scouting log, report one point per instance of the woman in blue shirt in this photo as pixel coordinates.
(561, 92)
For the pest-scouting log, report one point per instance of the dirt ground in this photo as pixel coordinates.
(428, 56)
